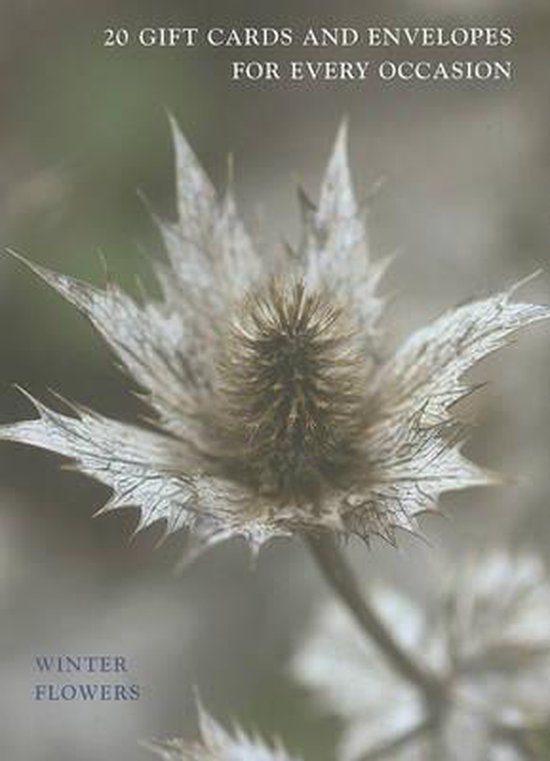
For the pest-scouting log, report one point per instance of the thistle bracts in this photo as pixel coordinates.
(276, 408)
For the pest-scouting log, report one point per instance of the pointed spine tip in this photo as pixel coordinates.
(103, 509)
(56, 280)
(172, 121)
(343, 130)
(524, 280)
(27, 263)
(230, 173)
(38, 406)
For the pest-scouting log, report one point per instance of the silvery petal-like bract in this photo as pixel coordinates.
(488, 636)
(276, 408)
(216, 744)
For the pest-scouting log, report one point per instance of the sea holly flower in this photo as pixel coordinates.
(487, 636)
(276, 408)
(216, 744)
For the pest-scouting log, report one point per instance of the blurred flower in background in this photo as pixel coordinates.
(216, 744)
(486, 632)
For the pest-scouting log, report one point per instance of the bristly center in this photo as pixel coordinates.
(292, 385)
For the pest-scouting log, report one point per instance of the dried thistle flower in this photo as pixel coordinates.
(488, 637)
(216, 744)
(274, 411)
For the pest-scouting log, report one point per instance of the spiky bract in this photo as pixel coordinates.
(216, 744)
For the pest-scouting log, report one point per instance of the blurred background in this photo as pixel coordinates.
(83, 128)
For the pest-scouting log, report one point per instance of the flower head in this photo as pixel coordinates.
(274, 411)
(488, 637)
(216, 744)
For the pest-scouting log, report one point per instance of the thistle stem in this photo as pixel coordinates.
(340, 577)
